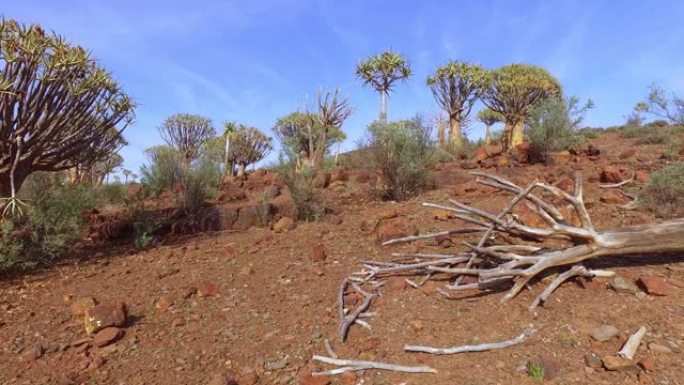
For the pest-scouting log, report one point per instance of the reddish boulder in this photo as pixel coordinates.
(318, 253)
(611, 174)
(107, 336)
(105, 315)
(80, 305)
(654, 285)
(285, 205)
(208, 289)
(254, 215)
(521, 152)
(284, 225)
(612, 197)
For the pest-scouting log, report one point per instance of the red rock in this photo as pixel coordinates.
(395, 284)
(395, 229)
(105, 315)
(566, 184)
(592, 151)
(592, 284)
(611, 174)
(444, 241)
(642, 176)
(284, 225)
(96, 363)
(521, 152)
(503, 161)
(628, 153)
(481, 154)
(189, 292)
(246, 270)
(163, 303)
(285, 205)
(318, 253)
(612, 196)
(349, 378)
(654, 285)
(307, 379)
(648, 364)
(80, 305)
(33, 353)
(389, 213)
(208, 289)
(336, 219)
(107, 336)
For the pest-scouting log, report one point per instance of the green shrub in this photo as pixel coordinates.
(635, 131)
(198, 182)
(402, 152)
(552, 126)
(163, 171)
(53, 220)
(300, 183)
(664, 194)
(656, 136)
(112, 193)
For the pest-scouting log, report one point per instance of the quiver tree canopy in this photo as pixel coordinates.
(56, 105)
(187, 133)
(512, 91)
(381, 72)
(456, 87)
(249, 145)
(489, 118)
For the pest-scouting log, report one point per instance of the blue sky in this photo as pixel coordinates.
(253, 61)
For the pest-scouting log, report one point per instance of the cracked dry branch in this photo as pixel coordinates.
(471, 348)
(517, 263)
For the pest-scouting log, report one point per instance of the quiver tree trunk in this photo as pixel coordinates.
(455, 133)
(488, 136)
(383, 105)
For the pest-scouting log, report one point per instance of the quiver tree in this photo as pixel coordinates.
(249, 146)
(310, 135)
(489, 118)
(187, 133)
(456, 87)
(381, 72)
(56, 104)
(512, 91)
(332, 113)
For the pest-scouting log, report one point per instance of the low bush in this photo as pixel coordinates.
(53, 219)
(301, 186)
(402, 151)
(664, 194)
(553, 125)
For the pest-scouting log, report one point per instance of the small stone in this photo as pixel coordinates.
(33, 353)
(604, 333)
(284, 225)
(105, 315)
(280, 364)
(107, 336)
(654, 285)
(80, 305)
(659, 348)
(307, 379)
(208, 289)
(189, 292)
(617, 363)
(622, 285)
(648, 364)
(318, 253)
(246, 270)
(593, 361)
(96, 363)
(416, 325)
(163, 303)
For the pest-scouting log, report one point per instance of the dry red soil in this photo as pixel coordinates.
(271, 306)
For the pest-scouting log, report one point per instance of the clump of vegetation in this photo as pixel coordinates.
(402, 151)
(187, 134)
(536, 370)
(552, 125)
(301, 186)
(53, 219)
(163, 171)
(664, 194)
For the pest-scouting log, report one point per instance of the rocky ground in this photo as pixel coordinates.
(252, 305)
